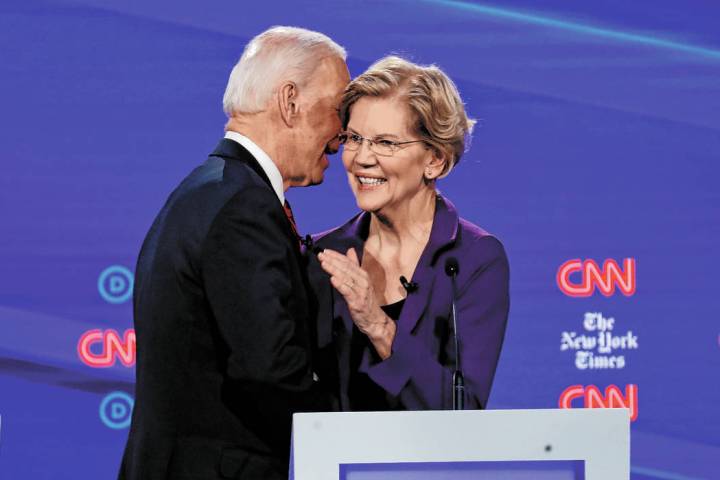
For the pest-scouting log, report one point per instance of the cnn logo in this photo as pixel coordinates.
(589, 276)
(109, 347)
(594, 398)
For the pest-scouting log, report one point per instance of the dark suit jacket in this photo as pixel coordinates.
(224, 341)
(417, 376)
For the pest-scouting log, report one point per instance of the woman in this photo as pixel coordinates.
(391, 301)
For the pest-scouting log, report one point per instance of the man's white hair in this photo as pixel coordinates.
(276, 55)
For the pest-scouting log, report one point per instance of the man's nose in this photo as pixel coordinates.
(332, 146)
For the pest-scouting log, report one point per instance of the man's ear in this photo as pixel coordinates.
(287, 103)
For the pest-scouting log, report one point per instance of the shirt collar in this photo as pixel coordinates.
(264, 160)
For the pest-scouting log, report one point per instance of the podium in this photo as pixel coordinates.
(562, 444)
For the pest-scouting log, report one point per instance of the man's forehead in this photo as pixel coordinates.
(331, 77)
(336, 67)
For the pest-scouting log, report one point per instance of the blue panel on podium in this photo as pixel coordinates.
(494, 470)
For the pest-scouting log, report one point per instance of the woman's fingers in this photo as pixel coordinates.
(341, 277)
(347, 277)
(342, 286)
(332, 257)
(335, 263)
(333, 266)
(353, 283)
(329, 253)
(352, 256)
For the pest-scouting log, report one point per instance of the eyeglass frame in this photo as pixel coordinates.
(394, 146)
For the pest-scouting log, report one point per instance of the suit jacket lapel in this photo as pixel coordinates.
(230, 149)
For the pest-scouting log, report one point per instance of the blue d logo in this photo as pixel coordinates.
(116, 284)
(116, 410)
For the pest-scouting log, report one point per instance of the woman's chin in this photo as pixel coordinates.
(367, 204)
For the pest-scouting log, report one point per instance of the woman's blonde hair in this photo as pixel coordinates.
(433, 99)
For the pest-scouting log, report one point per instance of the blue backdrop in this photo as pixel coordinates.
(598, 139)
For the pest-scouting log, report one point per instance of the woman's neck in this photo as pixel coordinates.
(407, 225)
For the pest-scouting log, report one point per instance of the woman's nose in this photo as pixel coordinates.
(365, 160)
(364, 156)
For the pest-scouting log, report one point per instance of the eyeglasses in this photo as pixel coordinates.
(379, 146)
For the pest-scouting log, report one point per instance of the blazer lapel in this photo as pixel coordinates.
(230, 149)
(442, 236)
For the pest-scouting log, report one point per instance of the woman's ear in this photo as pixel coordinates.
(287, 103)
(435, 165)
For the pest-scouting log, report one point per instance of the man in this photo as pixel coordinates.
(222, 317)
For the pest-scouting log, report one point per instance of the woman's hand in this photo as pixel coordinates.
(349, 278)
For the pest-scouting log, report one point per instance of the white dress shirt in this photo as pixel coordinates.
(264, 160)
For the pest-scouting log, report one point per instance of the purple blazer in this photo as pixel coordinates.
(419, 371)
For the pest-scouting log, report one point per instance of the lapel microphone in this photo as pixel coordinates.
(310, 245)
(410, 287)
(452, 268)
(307, 241)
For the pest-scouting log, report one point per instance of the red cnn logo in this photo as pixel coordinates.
(594, 399)
(113, 347)
(591, 277)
